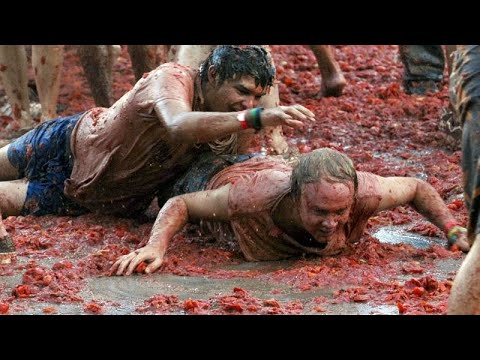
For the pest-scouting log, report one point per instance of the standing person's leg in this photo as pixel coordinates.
(13, 75)
(97, 62)
(333, 80)
(465, 294)
(47, 61)
(423, 67)
(189, 55)
(274, 137)
(144, 58)
(465, 99)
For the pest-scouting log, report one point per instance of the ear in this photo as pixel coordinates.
(212, 75)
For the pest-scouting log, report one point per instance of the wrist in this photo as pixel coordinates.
(453, 231)
(449, 226)
(241, 119)
(254, 118)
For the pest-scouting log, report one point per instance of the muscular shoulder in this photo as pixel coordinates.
(168, 81)
(368, 194)
(258, 192)
(175, 70)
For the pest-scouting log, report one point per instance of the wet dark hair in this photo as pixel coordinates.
(323, 164)
(232, 61)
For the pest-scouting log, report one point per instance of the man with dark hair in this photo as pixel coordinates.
(116, 160)
(275, 211)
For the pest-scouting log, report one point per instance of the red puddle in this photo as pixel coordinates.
(384, 131)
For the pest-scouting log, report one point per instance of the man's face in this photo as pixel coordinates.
(234, 95)
(325, 208)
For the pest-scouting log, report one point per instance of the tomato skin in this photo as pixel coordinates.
(304, 148)
(141, 267)
(4, 308)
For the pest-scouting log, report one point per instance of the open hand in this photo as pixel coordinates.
(126, 264)
(294, 116)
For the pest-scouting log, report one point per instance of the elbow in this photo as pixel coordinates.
(176, 207)
(180, 131)
(422, 187)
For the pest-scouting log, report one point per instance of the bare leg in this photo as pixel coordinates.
(143, 58)
(97, 64)
(13, 75)
(12, 197)
(465, 295)
(189, 55)
(274, 137)
(13, 191)
(7, 247)
(162, 53)
(333, 80)
(47, 61)
(7, 170)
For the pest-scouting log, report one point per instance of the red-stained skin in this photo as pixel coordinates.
(325, 209)
(382, 129)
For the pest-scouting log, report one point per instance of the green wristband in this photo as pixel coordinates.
(453, 234)
(254, 118)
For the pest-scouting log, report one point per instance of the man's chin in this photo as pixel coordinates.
(322, 239)
(324, 235)
(319, 242)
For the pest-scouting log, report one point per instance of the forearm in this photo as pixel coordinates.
(170, 220)
(201, 127)
(429, 203)
(398, 191)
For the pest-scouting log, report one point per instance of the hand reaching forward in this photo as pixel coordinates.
(293, 116)
(458, 237)
(126, 264)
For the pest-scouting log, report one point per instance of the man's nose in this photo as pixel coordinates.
(250, 103)
(329, 222)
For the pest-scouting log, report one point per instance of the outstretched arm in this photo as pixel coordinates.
(397, 191)
(186, 126)
(208, 205)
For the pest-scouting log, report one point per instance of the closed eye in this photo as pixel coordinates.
(320, 212)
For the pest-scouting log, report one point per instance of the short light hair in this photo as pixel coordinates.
(323, 164)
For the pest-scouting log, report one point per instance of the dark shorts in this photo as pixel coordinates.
(43, 157)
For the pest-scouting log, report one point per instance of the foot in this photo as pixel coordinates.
(333, 86)
(421, 87)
